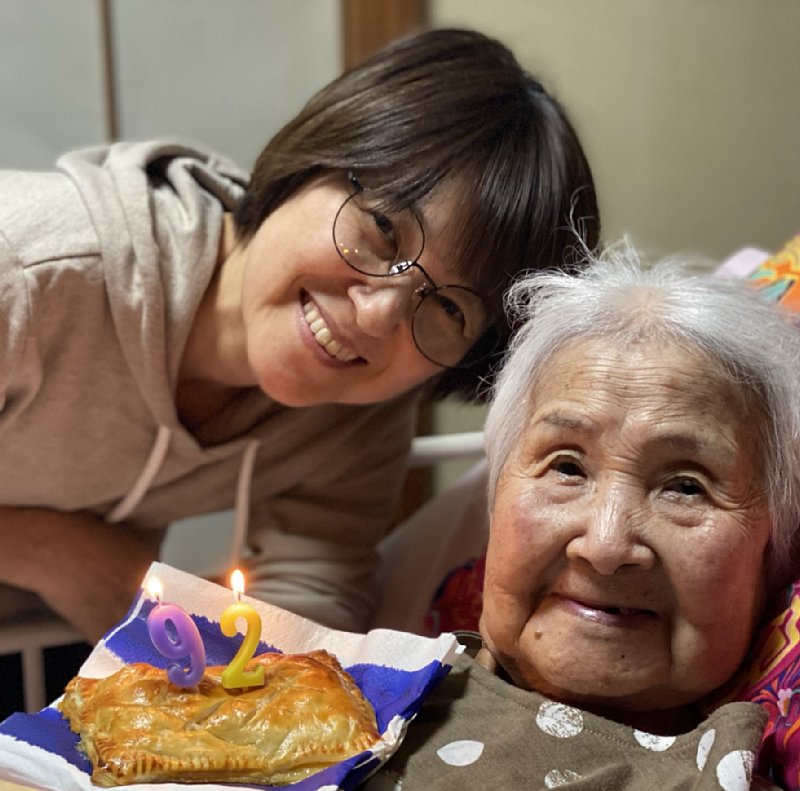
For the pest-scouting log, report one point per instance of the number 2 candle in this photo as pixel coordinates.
(235, 676)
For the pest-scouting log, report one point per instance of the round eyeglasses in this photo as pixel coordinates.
(447, 320)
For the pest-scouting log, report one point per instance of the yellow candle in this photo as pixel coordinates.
(235, 676)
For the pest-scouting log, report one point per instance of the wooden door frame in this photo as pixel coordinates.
(368, 25)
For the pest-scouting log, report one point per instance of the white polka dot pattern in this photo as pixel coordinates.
(704, 748)
(735, 770)
(652, 742)
(560, 777)
(556, 719)
(461, 753)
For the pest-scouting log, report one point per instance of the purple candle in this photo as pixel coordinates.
(181, 641)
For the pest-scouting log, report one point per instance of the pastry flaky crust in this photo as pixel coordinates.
(136, 727)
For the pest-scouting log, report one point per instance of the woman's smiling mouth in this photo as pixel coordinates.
(323, 335)
(609, 615)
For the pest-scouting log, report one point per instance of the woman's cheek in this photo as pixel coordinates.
(503, 619)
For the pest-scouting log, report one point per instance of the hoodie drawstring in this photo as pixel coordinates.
(242, 503)
(127, 504)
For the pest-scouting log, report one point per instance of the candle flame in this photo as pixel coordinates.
(237, 582)
(155, 590)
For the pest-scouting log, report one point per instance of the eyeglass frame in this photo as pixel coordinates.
(423, 291)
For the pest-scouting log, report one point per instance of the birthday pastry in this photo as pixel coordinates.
(136, 727)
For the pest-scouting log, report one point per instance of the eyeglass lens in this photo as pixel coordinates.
(448, 320)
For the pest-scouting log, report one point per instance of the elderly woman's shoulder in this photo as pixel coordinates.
(479, 731)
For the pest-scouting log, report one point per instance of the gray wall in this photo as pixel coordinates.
(226, 73)
(51, 80)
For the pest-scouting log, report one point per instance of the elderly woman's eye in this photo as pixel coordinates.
(567, 467)
(688, 487)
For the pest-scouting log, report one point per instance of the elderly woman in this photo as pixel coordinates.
(644, 494)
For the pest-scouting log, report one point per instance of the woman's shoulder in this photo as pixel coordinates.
(478, 731)
(46, 239)
(125, 167)
(42, 219)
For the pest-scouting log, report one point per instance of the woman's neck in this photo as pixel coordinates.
(662, 722)
(216, 350)
(214, 366)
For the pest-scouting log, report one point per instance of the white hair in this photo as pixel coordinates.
(755, 344)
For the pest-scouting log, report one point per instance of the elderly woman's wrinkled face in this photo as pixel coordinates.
(628, 531)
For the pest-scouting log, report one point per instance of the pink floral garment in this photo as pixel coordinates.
(772, 679)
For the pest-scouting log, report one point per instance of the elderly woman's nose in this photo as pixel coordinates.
(610, 537)
(381, 305)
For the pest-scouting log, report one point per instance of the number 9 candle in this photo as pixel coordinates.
(185, 644)
(235, 676)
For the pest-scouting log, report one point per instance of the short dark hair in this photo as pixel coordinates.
(454, 106)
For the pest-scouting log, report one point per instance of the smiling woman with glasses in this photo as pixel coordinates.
(267, 338)
(446, 111)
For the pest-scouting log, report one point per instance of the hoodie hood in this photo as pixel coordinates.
(157, 209)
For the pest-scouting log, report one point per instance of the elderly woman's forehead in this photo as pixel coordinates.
(664, 353)
(650, 366)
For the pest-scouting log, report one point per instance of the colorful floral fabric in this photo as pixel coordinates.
(772, 679)
(779, 276)
(458, 601)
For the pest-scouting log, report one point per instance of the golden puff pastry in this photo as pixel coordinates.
(136, 727)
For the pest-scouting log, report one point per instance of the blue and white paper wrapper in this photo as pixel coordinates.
(395, 671)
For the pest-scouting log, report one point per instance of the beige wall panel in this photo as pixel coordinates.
(688, 109)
